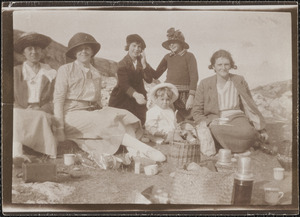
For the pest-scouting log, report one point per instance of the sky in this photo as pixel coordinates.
(260, 42)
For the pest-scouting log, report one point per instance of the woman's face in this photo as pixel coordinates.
(163, 101)
(222, 67)
(33, 54)
(84, 53)
(175, 47)
(135, 50)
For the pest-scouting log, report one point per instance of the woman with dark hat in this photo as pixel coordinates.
(33, 93)
(130, 93)
(181, 66)
(78, 110)
(224, 102)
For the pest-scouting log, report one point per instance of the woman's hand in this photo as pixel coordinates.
(264, 136)
(189, 102)
(143, 59)
(60, 135)
(139, 98)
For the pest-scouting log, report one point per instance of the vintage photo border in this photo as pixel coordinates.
(112, 209)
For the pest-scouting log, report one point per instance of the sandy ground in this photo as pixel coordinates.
(79, 184)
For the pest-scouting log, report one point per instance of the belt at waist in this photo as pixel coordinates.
(90, 105)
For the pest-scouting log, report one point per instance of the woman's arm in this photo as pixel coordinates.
(60, 91)
(161, 68)
(193, 73)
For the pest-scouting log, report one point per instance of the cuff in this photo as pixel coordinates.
(192, 92)
(130, 91)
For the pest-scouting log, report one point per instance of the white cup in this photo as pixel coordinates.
(69, 159)
(273, 195)
(224, 156)
(151, 170)
(278, 173)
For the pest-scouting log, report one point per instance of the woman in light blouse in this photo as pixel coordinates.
(78, 109)
(224, 102)
(33, 93)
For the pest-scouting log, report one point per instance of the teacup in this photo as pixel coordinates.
(278, 173)
(273, 195)
(69, 159)
(151, 170)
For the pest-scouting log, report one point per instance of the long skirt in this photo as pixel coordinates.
(32, 128)
(101, 131)
(238, 134)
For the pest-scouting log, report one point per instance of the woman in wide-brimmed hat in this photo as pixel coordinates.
(77, 107)
(182, 71)
(33, 93)
(224, 102)
(130, 93)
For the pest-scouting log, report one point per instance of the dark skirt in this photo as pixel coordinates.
(238, 135)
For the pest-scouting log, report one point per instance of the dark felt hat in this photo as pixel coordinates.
(175, 36)
(81, 38)
(135, 38)
(31, 39)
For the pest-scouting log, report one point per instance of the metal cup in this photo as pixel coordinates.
(224, 156)
(244, 168)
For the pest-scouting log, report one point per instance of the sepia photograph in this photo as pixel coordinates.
(140, 108)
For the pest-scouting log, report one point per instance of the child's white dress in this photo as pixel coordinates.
(160, 120)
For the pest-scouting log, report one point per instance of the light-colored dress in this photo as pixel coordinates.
(160, 120)
(32, 127)
(77, 106)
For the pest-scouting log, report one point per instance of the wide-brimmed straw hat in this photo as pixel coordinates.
(81, 38)
(172, 87)
(135, 38)
(173, 37)
(31, 39)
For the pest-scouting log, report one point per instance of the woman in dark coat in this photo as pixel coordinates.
(33, 93)
(130, 93)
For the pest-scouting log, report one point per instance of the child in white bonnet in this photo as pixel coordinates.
(161, 118)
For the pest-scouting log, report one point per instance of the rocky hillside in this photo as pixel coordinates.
(273, 100)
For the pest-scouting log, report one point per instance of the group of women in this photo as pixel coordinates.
(50, 106)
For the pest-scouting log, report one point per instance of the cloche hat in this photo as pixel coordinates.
(172, 87)
(81, 38)
(31, 39)
(175, 36)
(135, 38)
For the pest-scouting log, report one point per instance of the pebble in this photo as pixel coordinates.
(76, 169)
(145, 139)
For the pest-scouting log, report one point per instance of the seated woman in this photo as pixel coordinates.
(130, 93)
(77, 107)
(33, 92)
(225, 103)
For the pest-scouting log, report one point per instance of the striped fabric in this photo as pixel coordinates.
(228, 97)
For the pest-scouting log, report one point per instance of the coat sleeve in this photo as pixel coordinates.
(123, 80)
(198, 107)
(147, 73)
(60, 92)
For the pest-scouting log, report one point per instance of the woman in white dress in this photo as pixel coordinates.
(78, 109)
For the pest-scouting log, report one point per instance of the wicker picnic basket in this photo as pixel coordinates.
(202, 187)
(181, 153)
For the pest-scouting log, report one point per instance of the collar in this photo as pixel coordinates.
(181, 53)
(92, 69)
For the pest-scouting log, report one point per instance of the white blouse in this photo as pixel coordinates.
(34, 80)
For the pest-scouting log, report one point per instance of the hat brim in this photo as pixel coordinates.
(172, 87)
(94, 45)
(36, 39)
(167, 43)
(135, 38)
